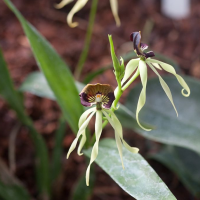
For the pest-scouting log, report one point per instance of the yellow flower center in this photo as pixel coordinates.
(98, 98)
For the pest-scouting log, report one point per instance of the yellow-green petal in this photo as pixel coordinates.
(130, 68)
(156, 65)
(84, 116)
(81, 121)
(118, 133)
(80, 132)
(98, 130)
(118, 126)
(114, 8)
(62, 3)
(164, 86)
(78, 6)
(171, 70)
(142, 97)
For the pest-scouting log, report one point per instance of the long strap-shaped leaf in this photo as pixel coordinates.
(15, 101)
(55, 70)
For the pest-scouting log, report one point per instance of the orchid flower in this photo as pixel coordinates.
(139, 65)
(101, 95)
(80, 4)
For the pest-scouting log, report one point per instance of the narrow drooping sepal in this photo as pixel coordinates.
(142, 97)
(130, 68)
(115, 123)
(80, 132)
(78, 6)
(90, 93)
(98, 130)
(171, 70)
(139, 47)
(114, 8)
(165, 87)
(81, 121)
(62, 3)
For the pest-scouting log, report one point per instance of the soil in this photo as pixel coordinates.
(177, 39)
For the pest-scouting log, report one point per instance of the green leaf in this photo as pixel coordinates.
(10, 187)
(36, 84)
(183, 130)
(55, 70)
(138, 178)
(10, 192)
(184, 163)
(13, 98)
(58, 150)
(81, 191)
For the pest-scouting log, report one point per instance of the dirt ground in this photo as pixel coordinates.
(178, 40)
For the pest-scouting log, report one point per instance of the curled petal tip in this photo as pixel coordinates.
(185, 94)
(136, 150)
(62, 4)
(72, 24)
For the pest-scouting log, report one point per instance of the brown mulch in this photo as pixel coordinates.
(177, 39)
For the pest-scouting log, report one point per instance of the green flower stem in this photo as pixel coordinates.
(85, 50)
(137, 73)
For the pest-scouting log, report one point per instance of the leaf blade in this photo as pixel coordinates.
(8, 92)
(138, 178)
(183, 162)
(183, 131)
(55, 70)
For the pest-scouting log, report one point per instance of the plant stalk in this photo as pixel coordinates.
(88, 37)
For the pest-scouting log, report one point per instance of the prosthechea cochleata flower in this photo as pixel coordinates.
(139, 67)
(101, 95)
(80, 4)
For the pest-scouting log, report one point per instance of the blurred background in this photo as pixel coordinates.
(176, 38)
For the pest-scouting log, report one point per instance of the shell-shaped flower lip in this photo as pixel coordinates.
(97, 93)
(139, 47)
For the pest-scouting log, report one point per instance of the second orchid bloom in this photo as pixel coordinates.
(139, 67)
